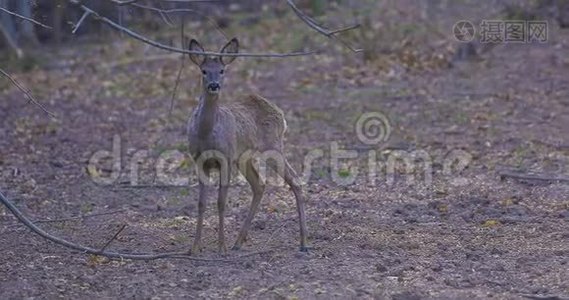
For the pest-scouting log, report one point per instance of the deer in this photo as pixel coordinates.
(225, 136)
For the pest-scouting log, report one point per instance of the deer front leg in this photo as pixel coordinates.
(223, 189)
(201, 211)
(224, 181)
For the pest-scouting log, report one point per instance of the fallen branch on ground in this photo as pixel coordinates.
(114, 255)
(535, 177)
(114, 237)
(543, 297)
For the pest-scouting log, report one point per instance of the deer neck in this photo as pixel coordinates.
(207, 110)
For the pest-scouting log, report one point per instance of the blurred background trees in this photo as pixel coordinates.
(17, 35)
(378, 36)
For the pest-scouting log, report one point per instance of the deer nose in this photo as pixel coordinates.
(214, 86)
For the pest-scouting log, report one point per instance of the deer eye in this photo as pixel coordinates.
(222, 71)
(204, 72)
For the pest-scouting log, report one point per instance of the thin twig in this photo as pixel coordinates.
(326, 32)
(173, 99)
(165, 17)
(340, 30)
(114, 237)
(179, 50)
(113, 255)
(536, 177)
(312, 24)
(24, 17)
(83, 17)
(27, 93)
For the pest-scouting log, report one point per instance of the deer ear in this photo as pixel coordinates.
(196, 58)
(231, 47)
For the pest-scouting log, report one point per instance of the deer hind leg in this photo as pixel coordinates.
(258, 188)
(290, 178)
(196, 246)
(224, 181)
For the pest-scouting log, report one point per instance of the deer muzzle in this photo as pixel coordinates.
(213, 87)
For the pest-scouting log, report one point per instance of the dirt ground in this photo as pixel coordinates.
(465, 233)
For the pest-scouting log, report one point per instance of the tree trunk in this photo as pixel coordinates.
(28, 33)
(58, 12)
(8, 29)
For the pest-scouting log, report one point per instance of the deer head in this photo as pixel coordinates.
(213, 68)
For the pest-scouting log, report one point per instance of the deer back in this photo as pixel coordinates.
(260, 125)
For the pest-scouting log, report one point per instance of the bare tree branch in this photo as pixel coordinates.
(179, 73)
(326, 32)
(83, 17)
(113, 255)
(179, 50)
(25, 18)
(175, 91)
(165, 17)
(27, 93)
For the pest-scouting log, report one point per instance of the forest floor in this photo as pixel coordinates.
(464, 232)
